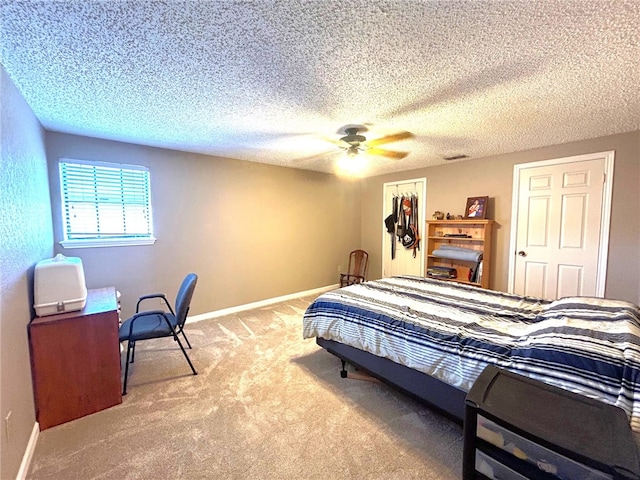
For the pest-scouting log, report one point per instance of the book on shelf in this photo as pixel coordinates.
(475, 274)
(442, 272)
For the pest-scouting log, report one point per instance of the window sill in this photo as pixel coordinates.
(101, 242)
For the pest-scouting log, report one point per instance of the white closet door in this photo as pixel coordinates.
(559, 229)
(404, 262)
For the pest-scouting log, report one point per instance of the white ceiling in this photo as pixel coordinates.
(268, 81)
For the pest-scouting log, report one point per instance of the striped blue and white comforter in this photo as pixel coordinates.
(452, 331)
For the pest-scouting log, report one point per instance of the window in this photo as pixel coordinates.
(105, 204)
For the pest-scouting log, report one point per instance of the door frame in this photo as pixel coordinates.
(422, 211)
(605, 218)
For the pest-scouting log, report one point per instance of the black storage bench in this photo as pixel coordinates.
(519, 428)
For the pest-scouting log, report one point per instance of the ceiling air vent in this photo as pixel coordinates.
(456, 157)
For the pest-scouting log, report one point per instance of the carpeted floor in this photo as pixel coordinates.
(265, 404)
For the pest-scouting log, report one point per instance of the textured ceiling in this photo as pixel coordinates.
(268, 81)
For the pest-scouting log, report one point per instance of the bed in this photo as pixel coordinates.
(432, 339)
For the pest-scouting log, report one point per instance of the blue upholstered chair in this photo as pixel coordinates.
(150, 324)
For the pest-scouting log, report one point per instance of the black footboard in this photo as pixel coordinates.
(425, 388)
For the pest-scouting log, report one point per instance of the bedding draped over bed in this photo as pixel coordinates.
(453, 331)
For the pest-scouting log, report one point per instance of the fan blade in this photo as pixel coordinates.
(390, 138)
(387, 153)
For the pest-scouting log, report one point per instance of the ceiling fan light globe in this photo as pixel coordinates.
(351, 166)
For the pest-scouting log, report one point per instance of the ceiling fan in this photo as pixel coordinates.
(354, 143)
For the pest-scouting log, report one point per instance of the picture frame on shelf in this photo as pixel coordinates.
(476, 207)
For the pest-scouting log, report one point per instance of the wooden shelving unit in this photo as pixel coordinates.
(479, 235)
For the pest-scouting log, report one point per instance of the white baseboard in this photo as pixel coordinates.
(261, 303)
(28, 453)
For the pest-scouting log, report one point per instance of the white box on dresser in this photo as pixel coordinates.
(59, 286)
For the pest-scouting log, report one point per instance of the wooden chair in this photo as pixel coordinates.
(357, 272)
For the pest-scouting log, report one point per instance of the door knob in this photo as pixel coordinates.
(522, 253)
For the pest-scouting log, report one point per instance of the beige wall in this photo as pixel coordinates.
(251, 231)
(25, 238)
(448, 187)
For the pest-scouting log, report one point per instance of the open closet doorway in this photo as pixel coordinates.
(396, 258)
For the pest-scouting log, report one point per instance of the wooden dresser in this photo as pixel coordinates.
(75, 360)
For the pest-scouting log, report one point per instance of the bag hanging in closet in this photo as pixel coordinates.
(408, 236)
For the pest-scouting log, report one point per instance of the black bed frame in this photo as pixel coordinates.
(441, 396)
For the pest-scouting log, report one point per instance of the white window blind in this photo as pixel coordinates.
(105, 204)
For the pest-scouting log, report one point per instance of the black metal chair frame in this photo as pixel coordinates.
(175, 331)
